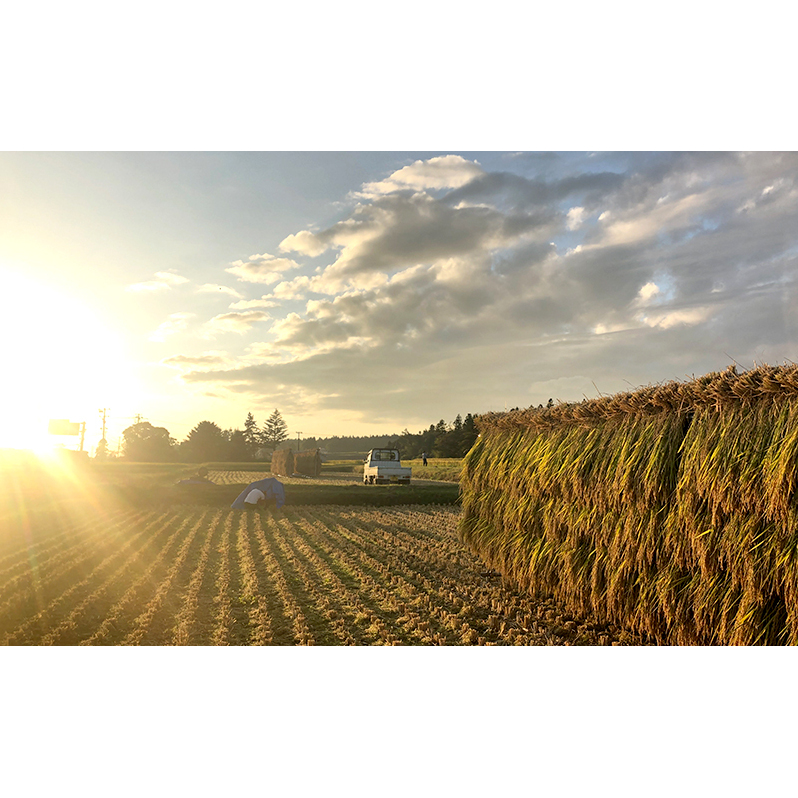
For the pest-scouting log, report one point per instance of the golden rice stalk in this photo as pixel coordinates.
(670, 510)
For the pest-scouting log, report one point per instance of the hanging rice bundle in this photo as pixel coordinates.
(670, 510)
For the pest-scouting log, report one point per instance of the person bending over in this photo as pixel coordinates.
(257, 498)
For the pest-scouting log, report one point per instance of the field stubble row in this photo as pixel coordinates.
(314, 575)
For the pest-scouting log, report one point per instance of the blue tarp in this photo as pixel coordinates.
(272, 488)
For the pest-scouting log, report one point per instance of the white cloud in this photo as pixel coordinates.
(304, 242)
(576, 217)
(234, 322)
(261, 268)
(447, 171)
(647, 293)
(211, 288)
(263, 351)
(294, 289)
(644, 223)
(667, 319)
(175, 323)
(603, 329)
(163, 281)
(248, 304)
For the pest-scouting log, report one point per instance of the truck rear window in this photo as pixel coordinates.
(387, 455)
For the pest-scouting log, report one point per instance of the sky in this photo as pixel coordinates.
(368, 292)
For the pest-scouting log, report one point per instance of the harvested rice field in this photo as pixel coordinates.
(301, 575)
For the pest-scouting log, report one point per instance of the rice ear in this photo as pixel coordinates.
(670, 510)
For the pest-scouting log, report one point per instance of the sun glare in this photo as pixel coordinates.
(58, 360)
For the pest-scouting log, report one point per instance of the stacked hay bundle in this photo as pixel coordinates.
(283, 462)
(670, 511)
(308, 462)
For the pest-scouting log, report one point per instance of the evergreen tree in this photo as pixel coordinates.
(251, 435)
(206, 442)
(238, 450)
(470, 434)
(274, 432)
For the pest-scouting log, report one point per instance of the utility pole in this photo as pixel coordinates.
(102, 411)
(298, 444)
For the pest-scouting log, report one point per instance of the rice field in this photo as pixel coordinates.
(114, 574)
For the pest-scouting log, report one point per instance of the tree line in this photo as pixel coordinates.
(439, 440)
(207, 442)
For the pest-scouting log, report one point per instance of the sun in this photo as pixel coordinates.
(58, 360)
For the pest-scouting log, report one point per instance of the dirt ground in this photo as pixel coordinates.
(97, 574)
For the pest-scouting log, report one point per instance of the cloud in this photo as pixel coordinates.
(210, 359)
(647, 222)
(647, 293)
(260, 352)
(294, 289)
(575, 218)
(212, 288)
(175, 323)
(397, 232)
(234, 322)
(163, 281)
(506, 190)
(667, 319)
(454, 292)
(263, 302)
(447, 171)
(261, 268)
(304, 242)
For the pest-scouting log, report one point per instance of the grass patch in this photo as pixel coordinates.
(295, 495)
(445, 469)
(341, 467)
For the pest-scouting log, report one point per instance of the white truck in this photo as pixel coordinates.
(383, 466)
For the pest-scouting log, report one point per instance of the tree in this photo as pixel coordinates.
(238, 450)
(147, 444)
(206, 442)
(101, 452)
(274, 432)
(470, 433)
(251, 434)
